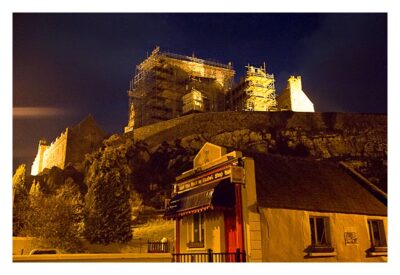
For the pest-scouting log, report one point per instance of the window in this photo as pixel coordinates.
(197, 231)
(377, 236)
(320, 239)
(318, 226)
(198, 227)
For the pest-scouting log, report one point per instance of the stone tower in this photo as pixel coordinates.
(163, 79)
(293, 97)
(38, 163)
(255, 91)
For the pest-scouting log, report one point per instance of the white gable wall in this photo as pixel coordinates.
(293, 98)
(300, 102)
(286, 235)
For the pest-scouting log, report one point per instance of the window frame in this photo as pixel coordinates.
(320, 247)
(197, 240)
(314, 232)
(381, 248)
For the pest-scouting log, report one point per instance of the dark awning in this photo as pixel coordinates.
(214, 195)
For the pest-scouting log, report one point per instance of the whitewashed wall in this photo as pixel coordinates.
(286, 234)
(214, 233)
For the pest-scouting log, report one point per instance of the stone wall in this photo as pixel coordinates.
(98, 257)
(38, 162)
(84, 138)
(321, 135)
(70, 147)
(55, 153)
(358, 139)
(50, 155)
(293, 97)
(197, 68)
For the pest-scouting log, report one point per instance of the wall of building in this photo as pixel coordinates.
(55, 154)
(98, 257)
(83, 138)
(284, 101)
(23, 245)
(51, 155)
(70, 147)
(300, 102)
(286, 235)
(163, 79)
(255, 92)
(293, 97)
(251, 216)
(38, 162)
(214, 236)
(198, 69)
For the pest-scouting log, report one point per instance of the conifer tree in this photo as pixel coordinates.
(20, 200)
(108, 209)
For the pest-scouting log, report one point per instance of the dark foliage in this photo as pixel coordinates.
(108, 209)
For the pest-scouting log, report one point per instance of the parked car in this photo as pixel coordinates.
(44, 251)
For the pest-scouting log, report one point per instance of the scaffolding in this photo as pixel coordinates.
(193, 102)
(160, 82)
(255, 91)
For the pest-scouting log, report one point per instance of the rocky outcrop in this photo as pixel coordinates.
(359, 140)
(320, 135)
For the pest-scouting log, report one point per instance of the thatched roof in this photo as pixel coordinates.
(307, 184)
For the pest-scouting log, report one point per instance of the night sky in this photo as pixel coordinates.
(66, 66)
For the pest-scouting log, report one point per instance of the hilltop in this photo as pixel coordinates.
(358, 139)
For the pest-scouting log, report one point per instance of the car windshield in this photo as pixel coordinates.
(43, 251)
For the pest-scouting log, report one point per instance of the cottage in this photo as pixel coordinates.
(264, 208)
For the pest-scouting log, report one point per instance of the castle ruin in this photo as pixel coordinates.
(168, 85)
(293, 97)
(70, 147)
(255, 92)
(165, 80)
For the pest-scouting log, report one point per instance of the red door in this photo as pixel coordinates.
(230, 231)
(234, 226)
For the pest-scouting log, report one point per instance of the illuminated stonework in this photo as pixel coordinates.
(193, 102)
(38, 162)
(70, 147)
(255, 92)
(168, 85)
(50, 155)
(162, 80)
(293, 98)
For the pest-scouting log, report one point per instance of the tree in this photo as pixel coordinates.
(108, 208)
(55, 179)
(20, 199)
(56, 220)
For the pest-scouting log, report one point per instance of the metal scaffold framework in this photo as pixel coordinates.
(163, 79)
(255, 92)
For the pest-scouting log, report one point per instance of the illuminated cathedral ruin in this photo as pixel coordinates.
(168, 85)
